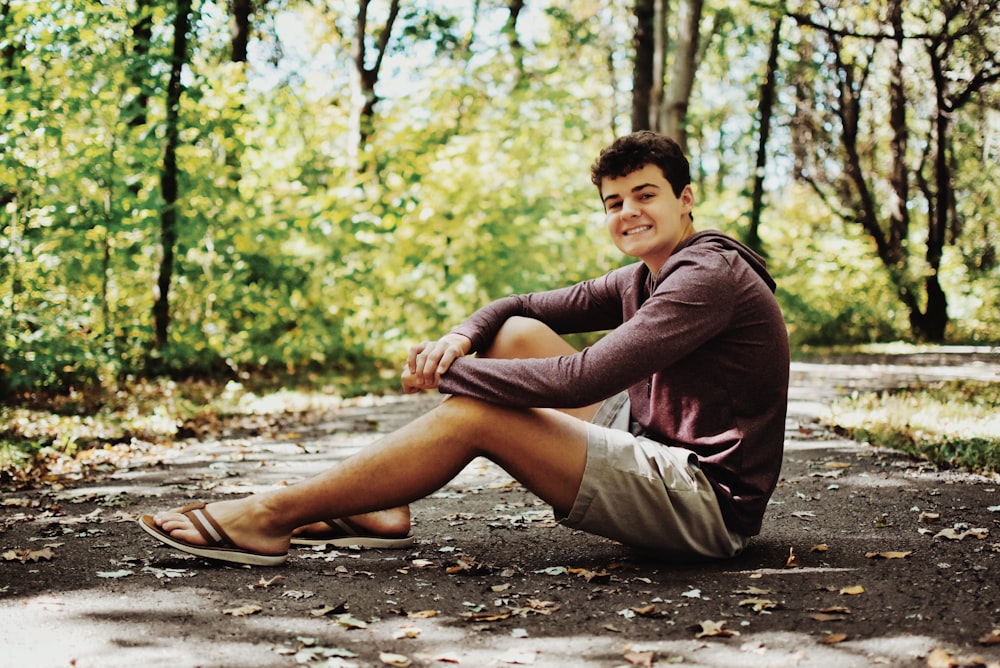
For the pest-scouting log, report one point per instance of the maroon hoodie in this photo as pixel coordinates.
(704, 358)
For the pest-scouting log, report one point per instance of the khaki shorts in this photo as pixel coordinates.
(646, 494)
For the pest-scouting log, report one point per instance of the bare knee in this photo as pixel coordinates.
(521, 337)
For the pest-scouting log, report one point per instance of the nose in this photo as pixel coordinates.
(629, 209)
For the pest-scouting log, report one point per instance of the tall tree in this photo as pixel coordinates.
(644, 67)
(683, 66)
(766, 111)
(241, 11)
(368, 60)
(169, 173)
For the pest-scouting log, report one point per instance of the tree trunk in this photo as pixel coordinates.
(673, 121)
(139, 69)
(240, 29)
(367, 76)
(168, 176)
(514, 8)
(766, 110)
(642, 72)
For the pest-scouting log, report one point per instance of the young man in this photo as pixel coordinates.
(666, 434)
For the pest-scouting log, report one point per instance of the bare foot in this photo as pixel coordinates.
(393, 522)
(243, 520)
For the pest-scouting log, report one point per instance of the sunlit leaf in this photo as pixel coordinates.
(243, 610)
(25, 555)
(396, 660)
(710, 629)
(888, 555)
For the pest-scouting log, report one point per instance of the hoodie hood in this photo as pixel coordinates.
(726, 242)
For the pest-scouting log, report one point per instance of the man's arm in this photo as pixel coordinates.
(428, 360)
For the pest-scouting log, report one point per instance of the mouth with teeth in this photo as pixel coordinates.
(637, 230)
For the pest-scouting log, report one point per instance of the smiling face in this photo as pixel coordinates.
(645, 218)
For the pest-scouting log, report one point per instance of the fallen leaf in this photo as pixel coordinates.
(939, 658)
(804, 514)
(754, 591)
(588, 574)
(292, 593)
(834, 638)
(534, 606)
(960, 534)
(264, 583)
(406, 632)
(822, 547)
(124, 573)
(842, 609)
(486, 616)
(466, 564)
(397, 660)
(991, 638)
(928, 517)
(168, 572)
(447, 658)
(852, 591)
(644, 611)
(710, 629)
(243, 610)
(836, 466)
(791, 562)
(644, 659)
(758, 604)
(349, 622)
(25, 555)
(824, 617)
(322, 612)
(692, 593)
(889, 555)
(422, 614)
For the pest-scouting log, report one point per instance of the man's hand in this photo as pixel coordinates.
(428, 361)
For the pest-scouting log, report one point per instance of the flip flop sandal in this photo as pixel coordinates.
(345, 533)
(219, 546)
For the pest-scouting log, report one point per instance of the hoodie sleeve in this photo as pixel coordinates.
(690, 305)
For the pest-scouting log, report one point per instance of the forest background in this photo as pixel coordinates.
(289, 189)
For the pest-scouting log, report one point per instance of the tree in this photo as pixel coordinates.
(960, 39)
(368, 60)
(767, 93)
(169, 174)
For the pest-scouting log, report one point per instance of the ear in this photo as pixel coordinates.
(687, 199)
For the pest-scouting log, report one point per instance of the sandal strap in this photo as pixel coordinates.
(206, 525)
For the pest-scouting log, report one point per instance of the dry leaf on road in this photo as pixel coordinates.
(25, 556)
(710, 629)
(243, 610)
(888, 555)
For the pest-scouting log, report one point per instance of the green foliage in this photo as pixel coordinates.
(831, 287)
(301, 254)
(950, 424)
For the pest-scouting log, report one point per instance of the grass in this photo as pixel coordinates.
(950, 424)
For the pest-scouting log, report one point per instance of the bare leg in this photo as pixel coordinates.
(542, 448)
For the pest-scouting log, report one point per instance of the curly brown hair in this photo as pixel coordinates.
(634, 151)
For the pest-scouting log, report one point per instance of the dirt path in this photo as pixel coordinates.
(493, 583)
